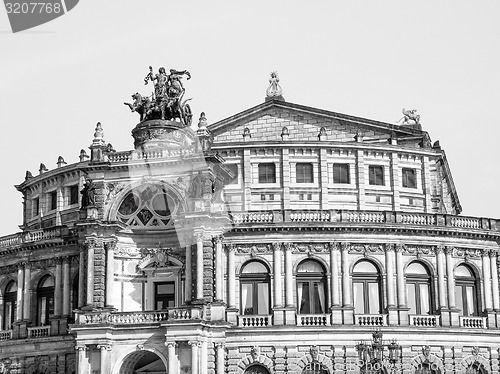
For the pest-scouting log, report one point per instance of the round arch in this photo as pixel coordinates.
(380, 267)
(266, 263)
(311, 257)
(433, 361)
(476, 361)
(112, 210)
(5, 282)
(256, 359)
(37, 278)
(424, 262)
(471, 266)
(132, 356)
(308, 359)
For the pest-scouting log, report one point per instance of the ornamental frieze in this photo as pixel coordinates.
(8, 269)
(127, 252)
(310, 248)
(418, 250)
(253, 249)
(467, 253)
(366, 249)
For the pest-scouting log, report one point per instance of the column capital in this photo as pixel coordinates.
(26, 265)
(104, 347)
(448, 250)
(333, 246)
(194, 343)
(399, 248)
(81, 348)
(289, 247)
(231, 248)
(493, 253)
(65, 259)
(218, 239)
(220, 345)
(200, 236)
(58, 260)
(486, 253)
(110, 244)
(90, 243)
(171, 344)
(277, 246)
(389, 247)
(439, 249)
(344, 246)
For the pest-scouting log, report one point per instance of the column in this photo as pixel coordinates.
(288, 276)
(82, 364)
(27, 292)
(66, 310)
(360, 174)
(440, 273)
(278, 289)
(171, 357)
(450, 277)
(203, 358)
(81, 278)
(20, 282)
(487, 280)
(395, 181)
(218, 268)
(90, 272)
(389, 259)
(58, 288)
(110, 273)
(194, 357)
(400, 276)
(334, 259)
(105, 349)
(199, 266)
(346, 281)
(231, 277)
(494, 280)
(219, 357)
(189, 274)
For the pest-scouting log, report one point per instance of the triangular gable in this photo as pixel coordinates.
(265, 122)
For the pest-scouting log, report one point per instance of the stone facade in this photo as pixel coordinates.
(273, 241)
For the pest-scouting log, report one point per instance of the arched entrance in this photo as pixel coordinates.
(256, 369)
(142, 362)
(315, 368)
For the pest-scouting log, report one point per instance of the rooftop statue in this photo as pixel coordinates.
(166, 102)
(410, 117)
(274, 90)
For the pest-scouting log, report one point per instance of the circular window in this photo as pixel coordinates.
(161, 204)
(129, 205)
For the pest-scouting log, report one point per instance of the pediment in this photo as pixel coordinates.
(266, 122)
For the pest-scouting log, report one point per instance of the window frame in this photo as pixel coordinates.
(156, 296)
(347, 171)
(9, 297)
(463, 283)
(236, 170)
(48, 293)
(311, 278)
(263, 178)
(254, 279)
(73, 194)
(405, 180)
(372, 175)
(366, 279)
(53, 200)
(417, 280)
(306, 174)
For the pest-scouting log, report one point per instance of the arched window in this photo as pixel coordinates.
(255, 284)
(366, 288)
(311, 295)
(74, 294)
(315, 368)
(256, 369)
(475, 368)
(418, 289)
(426, 368)
(466, 291)
(45, 300)
(9, 305)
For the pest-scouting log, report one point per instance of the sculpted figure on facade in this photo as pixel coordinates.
(410, 117)
(88, 194)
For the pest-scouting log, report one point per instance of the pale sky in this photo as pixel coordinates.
(363, 58)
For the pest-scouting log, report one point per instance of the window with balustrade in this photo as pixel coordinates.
(366, 282)
(9, 305)
(45, 300)
(311, 288)
(164, 295)
(418, 289)
(255, 289)
(466, 291)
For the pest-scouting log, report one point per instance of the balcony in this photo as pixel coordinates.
(254, 321)
(370, 320)
(5, 335)
(424, 321)
(38, 332)
(51, 234)
(313, 320)
(134, 318)
(473, 322)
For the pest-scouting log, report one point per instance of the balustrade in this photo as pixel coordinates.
(5, 335)
(418, 219)
(130, 318)
(310, 216)
(424, 321)
(251, 217)
(313, 319)
(371, 319)
(254, 321)
(38, 332)
(466, 222)
(473, 322)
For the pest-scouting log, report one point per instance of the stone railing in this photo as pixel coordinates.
(33, 236)
(116, 157)
(310, 216)
(362, 217)
(370, 319)
(424, 321)
(254, 321)
(10, 241)
(466, 222)
(418, 219)
(253, 217)
(147, 317)
(38, 332)
(473, 322)
(313, 320)
(5, 335)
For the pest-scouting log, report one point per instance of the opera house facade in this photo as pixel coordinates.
(283, 239)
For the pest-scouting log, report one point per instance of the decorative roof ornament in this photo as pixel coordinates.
(409, 117)
(166, 102)
(202, 122)
(274, 91)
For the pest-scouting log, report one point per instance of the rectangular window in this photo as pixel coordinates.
(36, 206)
(304, 173)
(341, 173)
(458, 300)
(376, 175)
(373, 298)
(410, 294)
(234, 170)
(53, 200)
(359, 303)
(247, 298)
(424, 299)
(267, 173)
(409, 178)
(73, 194)
(164, 295)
